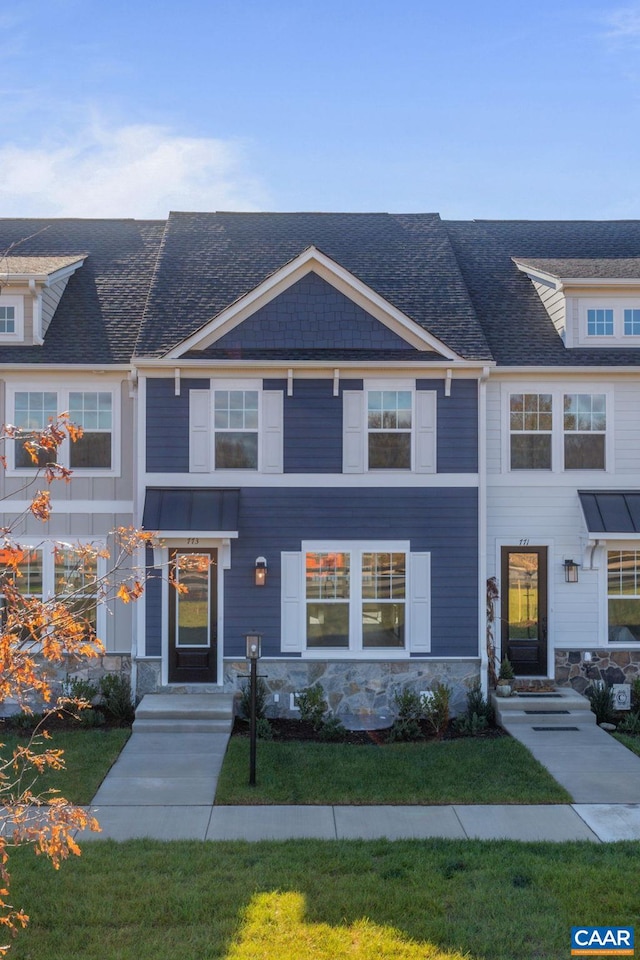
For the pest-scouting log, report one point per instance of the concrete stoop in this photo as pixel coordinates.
(184, 713)
(561, 709)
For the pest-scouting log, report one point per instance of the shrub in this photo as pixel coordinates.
(477, 703)
(601, 699)
(506, 670)
(115, 690)
(470, 725)
(91, 718)
(312, 705)
(264, 730)
(332, 730)
(261, 700)
(406, 726)
(76, 688)
(630, 724)
(635, 695)
(436, 708)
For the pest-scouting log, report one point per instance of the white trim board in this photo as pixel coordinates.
(250, 478)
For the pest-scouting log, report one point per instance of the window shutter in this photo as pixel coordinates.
(199, 431)
(426, 453)
(420, 602)
(292, 621)
(272, 431)
(353, 437)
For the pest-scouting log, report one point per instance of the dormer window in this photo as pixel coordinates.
(614, 322)
(11, 318)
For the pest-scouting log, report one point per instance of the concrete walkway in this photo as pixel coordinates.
(163, 787)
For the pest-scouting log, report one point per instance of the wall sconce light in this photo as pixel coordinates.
(571, 571)
(261, 571)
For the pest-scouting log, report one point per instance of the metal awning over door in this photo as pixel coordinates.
(192, 509)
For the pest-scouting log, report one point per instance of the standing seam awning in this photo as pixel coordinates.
(197, 509)
(611, 512)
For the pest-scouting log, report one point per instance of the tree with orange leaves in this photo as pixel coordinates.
(35, 634)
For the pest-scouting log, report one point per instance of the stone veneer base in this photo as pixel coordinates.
(350, 687)
(612, 666)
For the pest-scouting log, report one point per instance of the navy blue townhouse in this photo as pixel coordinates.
(308, 452)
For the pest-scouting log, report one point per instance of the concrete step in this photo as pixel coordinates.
(563, 707)
(182, 726)
(184, 713)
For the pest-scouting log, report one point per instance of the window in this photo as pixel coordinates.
(236, 425)
(93, 410)
(7, 319)
(600, 322)
(236, 429)
(33, 412)
(11, 318)
(614, 322)
(585, 423)
(556, 430)
(49, 569)
(632, 323)
(389, 417)
(370, 598)
(623, 568)
(531, 422)
(389, 425)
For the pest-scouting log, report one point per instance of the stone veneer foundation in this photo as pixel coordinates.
(612, 666)
(349, 687)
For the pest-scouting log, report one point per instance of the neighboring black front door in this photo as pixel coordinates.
(193, 617)
(524, 609)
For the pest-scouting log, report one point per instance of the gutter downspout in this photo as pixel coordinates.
(482, 529)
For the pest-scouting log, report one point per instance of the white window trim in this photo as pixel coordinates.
(202, 434)
(558, 393)
(18, 304)
(62, 407)
(423, 435)
(604, 594)
(355, 601)
(618, 305)
(48, 547)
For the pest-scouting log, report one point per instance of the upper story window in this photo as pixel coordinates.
(92, 410)
(389, 419)
(600, 323)
(235, 425)
(531, 420)
(557, 431)
(613, 322)
(585, 427)
(11, 318)
(389, 425)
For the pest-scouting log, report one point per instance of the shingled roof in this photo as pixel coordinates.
(573, 268)
(514, 320)
(98, 317)
(210, 260)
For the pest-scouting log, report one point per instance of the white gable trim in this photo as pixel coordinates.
(313, 261)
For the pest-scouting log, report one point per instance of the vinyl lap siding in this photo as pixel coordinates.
(457, 436)
(443, 522)
(168, 424)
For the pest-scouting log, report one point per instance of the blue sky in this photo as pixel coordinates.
(494, 109)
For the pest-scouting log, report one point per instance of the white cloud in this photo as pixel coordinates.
(140, 171)
(624, 24)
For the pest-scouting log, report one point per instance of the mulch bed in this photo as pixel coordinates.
(19, 724)
(285, 731)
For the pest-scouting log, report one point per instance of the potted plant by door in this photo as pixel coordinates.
(505, 678)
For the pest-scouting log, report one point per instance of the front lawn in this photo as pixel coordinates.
(88, 755)
(631, 741)
(314, 900)
(497, 770)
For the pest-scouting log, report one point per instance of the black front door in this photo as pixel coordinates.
(524, 609)
(193, 617)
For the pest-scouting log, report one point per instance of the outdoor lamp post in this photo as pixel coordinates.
(254, 644)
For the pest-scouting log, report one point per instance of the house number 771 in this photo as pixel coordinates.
(524, 541)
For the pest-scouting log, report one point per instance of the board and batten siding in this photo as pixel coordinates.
(442, 522)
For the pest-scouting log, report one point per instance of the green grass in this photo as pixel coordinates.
(147, 900)
(450, 771)
(629, 741)
(88, 754)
